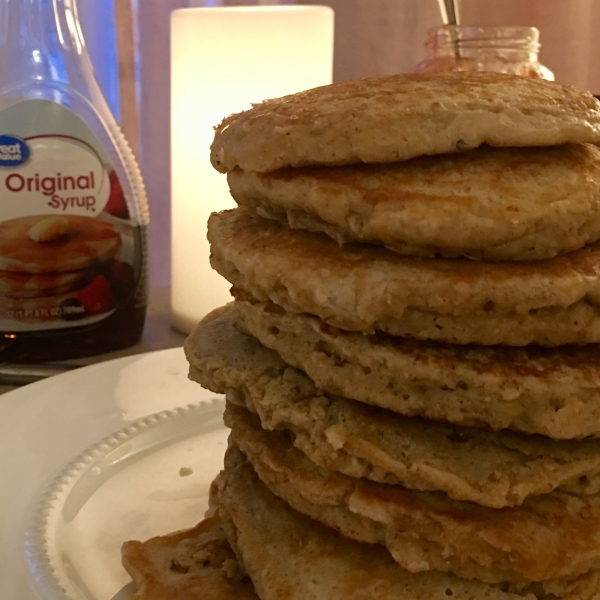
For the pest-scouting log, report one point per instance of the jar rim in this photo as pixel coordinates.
(519, 37)
(522, 31)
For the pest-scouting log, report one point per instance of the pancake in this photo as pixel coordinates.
(358, 287)
(195, 564)
(490, 203)
(288, 555)
(552, 536)
(550, 391)
(86, 241)
(26, 285)
(493, 469)
(395, 118)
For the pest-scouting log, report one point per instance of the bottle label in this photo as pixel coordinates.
(69, 244)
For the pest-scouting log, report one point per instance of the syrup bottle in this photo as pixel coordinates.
(73, 208)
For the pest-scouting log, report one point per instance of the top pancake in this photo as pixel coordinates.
(86, 240)
(394, 118)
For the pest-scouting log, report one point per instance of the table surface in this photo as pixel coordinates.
(158, 335)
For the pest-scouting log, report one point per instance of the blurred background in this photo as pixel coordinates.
(129, 44)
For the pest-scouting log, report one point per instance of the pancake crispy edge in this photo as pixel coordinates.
(195, 564)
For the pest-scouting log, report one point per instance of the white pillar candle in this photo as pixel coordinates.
(222, 60)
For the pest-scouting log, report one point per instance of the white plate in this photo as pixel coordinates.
(154, 474)
(45, 425)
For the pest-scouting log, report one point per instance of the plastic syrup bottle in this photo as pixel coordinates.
(73, 209)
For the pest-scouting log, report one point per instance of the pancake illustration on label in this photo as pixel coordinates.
(60, 268)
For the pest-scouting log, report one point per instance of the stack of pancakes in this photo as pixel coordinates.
(411, 363)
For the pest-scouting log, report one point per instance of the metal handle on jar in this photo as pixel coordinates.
(450, 16)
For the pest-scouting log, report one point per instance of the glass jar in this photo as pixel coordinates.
(499, 49)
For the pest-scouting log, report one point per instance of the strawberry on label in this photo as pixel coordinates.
(97, 297)
(116, 205)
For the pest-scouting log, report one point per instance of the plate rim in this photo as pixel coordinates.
(43, 574)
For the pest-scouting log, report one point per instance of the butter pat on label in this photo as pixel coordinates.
(49, 229)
